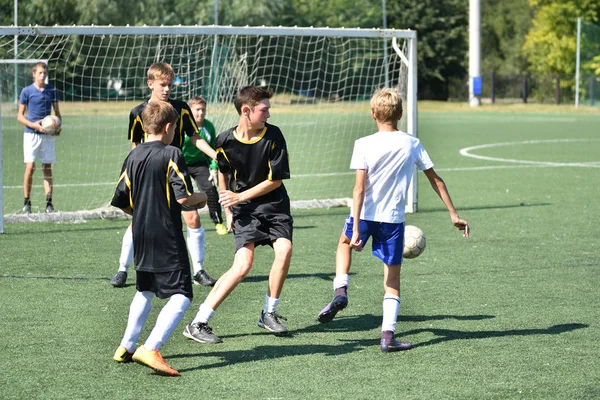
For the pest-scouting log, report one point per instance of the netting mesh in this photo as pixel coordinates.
(321, 86)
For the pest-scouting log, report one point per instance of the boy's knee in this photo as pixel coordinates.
(282, 247)
(192, 219)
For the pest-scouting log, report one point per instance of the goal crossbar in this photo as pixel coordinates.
(214, 61)
(208, 30)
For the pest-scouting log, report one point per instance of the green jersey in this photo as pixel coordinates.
(191, 153)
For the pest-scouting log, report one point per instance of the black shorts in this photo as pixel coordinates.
(188, 208)
(261, 229)
(165, 284)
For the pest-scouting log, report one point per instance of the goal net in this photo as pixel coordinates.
(322, 81)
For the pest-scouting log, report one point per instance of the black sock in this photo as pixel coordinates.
(341, 291)
(388, 336)
(27, 201)
(48, 199)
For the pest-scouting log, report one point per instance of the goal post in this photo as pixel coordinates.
(322, 79)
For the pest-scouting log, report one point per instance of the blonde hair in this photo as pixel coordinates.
(160, 70)
(197, 100)
(386, 105)
(157, 115)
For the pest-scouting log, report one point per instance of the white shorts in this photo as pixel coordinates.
(40, 146)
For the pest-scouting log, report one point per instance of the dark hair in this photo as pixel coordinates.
(250, 96)
(38, 65)
(157, 115)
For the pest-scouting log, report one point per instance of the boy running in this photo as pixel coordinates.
(384, 164)
(160, 77)
(253, 162)
(161, 258)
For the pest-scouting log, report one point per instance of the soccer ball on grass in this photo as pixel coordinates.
(51, 124)
(414, 242)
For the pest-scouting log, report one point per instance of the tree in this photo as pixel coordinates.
(442, 30)
(504, 24)
(551, 44)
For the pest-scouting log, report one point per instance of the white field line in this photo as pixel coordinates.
(466, 152)
(591, 164)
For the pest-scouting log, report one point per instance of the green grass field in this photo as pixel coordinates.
(510, 313)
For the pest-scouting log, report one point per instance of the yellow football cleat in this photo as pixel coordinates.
(153, 359)
(122, 355)
(221, 229)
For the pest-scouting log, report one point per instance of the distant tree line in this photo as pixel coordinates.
(519, 37)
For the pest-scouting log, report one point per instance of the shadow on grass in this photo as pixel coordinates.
(57, 278)
(328, 276)
(445, 210)
(446, 335)
(261, 353)
(364, 322)
(259, 278)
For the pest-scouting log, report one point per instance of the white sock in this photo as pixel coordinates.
(138, 313)
(205, 313)
(341, 281)
(391, 306)
(126, 251)
(270, 304)
(195, 243)
(168, 318)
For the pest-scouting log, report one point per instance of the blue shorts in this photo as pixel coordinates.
(388, 239)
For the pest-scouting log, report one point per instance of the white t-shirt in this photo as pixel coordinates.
(389, 159)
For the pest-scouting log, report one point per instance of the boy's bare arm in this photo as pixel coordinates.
(127, 210)
(22, 119)
(228, 215)
(57, 110)
(358, 199)
(439, 186)
(57, 113)
(203, 146)
(227, 198)
(197, 199)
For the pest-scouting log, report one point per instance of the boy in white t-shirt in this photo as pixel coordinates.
(384, 165)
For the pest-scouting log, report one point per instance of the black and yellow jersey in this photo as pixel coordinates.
(185, 125)
(154, 175)
(246, 163)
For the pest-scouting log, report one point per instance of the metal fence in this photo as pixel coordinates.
(539, 89)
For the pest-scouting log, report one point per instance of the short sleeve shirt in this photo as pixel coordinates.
(38, 102)
(153, 177)
(389, 159)
(248, 163)
(191, 153)
(185, 125)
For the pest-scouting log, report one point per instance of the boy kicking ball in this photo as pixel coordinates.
(384, 164)
(160, 253)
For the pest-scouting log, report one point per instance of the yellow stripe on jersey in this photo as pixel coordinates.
(125, 177)
(270, 176)
(185, 112)
(175, 168)
(253, 140)
(220, 150)
(137, 120)
(128, 183)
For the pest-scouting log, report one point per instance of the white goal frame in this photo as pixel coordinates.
(408, 57)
